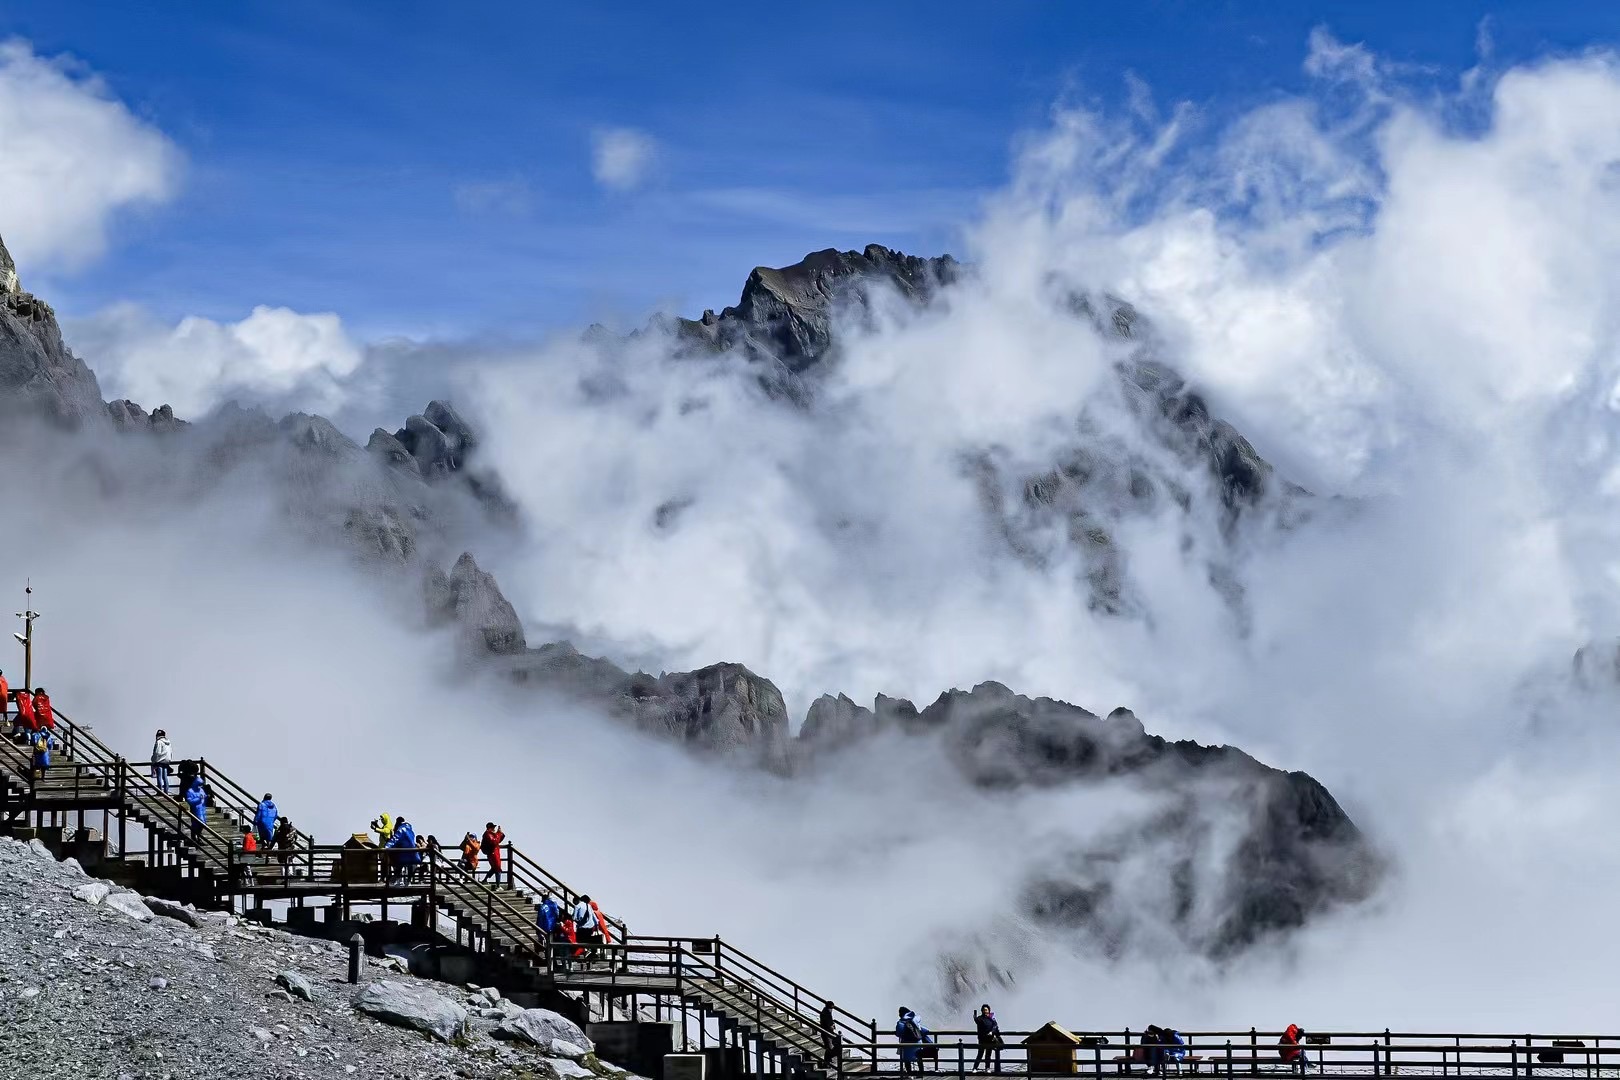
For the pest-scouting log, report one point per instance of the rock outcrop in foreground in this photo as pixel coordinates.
(92, 983)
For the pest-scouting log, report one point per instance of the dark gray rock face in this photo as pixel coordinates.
(469, 597)
(1238, 851)
(722, 707)
(1182, 461)
(784, 320)
(39, 375)
(835, 721)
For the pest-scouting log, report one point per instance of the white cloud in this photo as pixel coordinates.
(1389, 302)
(1386, 302)
(71, 156)
(276, 357)
(621, 157)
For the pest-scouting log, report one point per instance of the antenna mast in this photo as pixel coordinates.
(26, 638)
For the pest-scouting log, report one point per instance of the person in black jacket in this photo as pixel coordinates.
(829, 1035)
(989, 1040)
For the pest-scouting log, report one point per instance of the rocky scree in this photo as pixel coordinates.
(95, 982)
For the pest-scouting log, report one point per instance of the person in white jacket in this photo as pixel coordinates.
(586, 928)
(161, 756)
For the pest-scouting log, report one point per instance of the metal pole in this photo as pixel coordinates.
(26, 638)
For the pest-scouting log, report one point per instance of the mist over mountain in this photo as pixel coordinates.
(409, 497)
(903, 621)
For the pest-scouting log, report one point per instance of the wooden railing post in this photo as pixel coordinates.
(873, 1046)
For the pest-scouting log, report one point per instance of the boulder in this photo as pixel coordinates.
(296, 985)
(128, 902)
(412, 1006)
(542, 1028)
(92, 892)
(171, 910)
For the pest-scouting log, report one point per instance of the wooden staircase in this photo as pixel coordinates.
(759, 1005)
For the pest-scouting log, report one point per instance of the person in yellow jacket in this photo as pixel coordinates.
(383, 826)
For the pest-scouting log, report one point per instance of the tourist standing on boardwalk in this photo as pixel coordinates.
(162, 755)
(989, 1032)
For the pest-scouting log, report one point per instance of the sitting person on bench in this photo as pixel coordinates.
(1289, 1049)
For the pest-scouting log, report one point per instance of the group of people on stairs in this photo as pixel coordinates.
(574, 932)
(33, 725)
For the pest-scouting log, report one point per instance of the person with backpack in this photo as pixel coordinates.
(989, 1031)
(162, 754)
(42, 753)
(914, 1039)
(587, 927)
(491, 846)
(285, 839)
(197, 799)
(264, 820)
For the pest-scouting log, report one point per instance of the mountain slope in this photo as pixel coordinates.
(413, 500)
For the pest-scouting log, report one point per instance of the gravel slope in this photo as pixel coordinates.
(95, 986)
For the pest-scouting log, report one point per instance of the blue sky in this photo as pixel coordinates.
(426, 168)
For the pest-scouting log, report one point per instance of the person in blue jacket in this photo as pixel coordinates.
(913, 1037)
(406, 856)
(197, 799)
(264, 821)
(549, 918)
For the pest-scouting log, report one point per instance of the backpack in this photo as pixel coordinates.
(909, 1030)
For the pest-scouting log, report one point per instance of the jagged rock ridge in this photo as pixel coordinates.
(393, 503)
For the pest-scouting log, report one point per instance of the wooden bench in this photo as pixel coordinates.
(1139, 1057)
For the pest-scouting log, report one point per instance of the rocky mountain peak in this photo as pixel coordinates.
(8, 272)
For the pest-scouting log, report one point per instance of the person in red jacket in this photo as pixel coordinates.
(490, 845)
(1289, 1049)
(44, 716)
(5, 697)
(25, 713)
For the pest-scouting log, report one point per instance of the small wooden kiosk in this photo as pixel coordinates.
(358, 864)
(1051, 1048)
